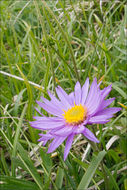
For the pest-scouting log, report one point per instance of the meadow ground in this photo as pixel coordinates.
(60, 42)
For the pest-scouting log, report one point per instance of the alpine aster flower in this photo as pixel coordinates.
(72, 112)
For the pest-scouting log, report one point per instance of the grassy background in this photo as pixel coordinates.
(57, 43)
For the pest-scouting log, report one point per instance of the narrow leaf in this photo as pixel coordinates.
(86, 179)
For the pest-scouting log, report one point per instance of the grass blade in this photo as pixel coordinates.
(86, 179)
(13, 183)
(17, 136)
(65, 37)
(27, 162)
(111, 179)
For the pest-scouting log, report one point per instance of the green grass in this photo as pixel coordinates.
(50, 43)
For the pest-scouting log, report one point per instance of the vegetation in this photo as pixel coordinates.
(50, 43)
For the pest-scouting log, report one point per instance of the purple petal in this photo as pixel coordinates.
(55, 143)
(38, 117)
(99, 83)
(55, 105)
(109, 111)
(78, 129)
(93, 99)
(85, 91)
(55, 101)
(106, 91)
(38, 111)
(44, 143)
(68, 146)
(44, 118)
(71, 98)
(77, 93)
(63, 97)
(89, 135)
(47, 125)
(65, 131)
(45, 138)
(92, 90)
(50, 109)
(45, 100)
(105, 103)
(52, 104)
(100, 119)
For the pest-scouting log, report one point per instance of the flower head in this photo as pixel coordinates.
(72, 112)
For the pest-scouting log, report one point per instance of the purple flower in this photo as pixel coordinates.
(71, 113)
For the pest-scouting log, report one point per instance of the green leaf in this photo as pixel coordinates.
(59, 177)
(28, 164)
(85, 166)
(111, 179)
(119, 90)
(86, 179)
(4, 163)
(114, 155)
(125, 184)
(12, 183)
(47, 162)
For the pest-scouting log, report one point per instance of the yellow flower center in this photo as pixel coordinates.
(75, 115)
